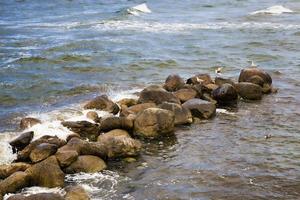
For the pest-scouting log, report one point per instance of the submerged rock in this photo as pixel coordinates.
(8, 169)
(46, 173)
(225, 94)
(182, 115)
(42, 151)
(87, 164)
(76, 193)
(156, 94)
(200, 108)
(28, 122)
(14, 182)
(249, 91)
(22, 141)
(173, 83)
(84, 128)
(185, 94)
(154, 123)
(119, 144)
(103, 103)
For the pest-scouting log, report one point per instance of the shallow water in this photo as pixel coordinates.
(55, 55)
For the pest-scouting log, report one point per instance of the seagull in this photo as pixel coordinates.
(252, 64)
(218, 70)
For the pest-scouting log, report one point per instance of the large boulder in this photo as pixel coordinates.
(136, 109)
(225, 94)
(39, 196)
(103, 103)
(173, 83)
(154, 123)
(249, 91)
(200, 108)
(24, 154)
(46, 173)
(156, 94)
(14, 182)
(76, 193)
(42, 151)
(185, 94)
(127, 102)
(21, 141)
(112, 123)
(85, 148)
(8, 169)
(119, 144)
(84, 128)
(220, 81)
(66, 158)
(182, 115)
(87, 164)
(28, 122)
(203, 79)
(248, 73)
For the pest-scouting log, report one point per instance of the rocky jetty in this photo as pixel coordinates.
(154, 115)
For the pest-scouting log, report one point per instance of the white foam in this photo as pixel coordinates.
(141, 8)
(36, 190)
(273, 10)
(158, 27)
(224, 111)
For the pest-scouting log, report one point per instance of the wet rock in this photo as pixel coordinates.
(182, 115)
(39, 196)
(8, 169)
(84, 128)
(154, 123)
(249, 91)
(87, 164)
(119, 144)
(127, 102)
(72, 135)
(185, 94)
(14, 182)
(220, 81)
(112, 123)
(85, 148)
(92, 115)
(103, 103)
(24, 154)
(173, 83)
(210, 87)
(203, 79)
(200, 108)
(46, 173)
(137, 108)
(156, 94)
(247, 73)
(76, 193)
(29, 122)
(22, 141)
(66, 158)
(266, 88)
(42, 151)
(225, 94)
(256, 80)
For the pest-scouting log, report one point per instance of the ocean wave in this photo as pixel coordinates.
(141, 8)
(273, 10)
(158, 27)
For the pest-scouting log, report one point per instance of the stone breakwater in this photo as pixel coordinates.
(154, 115)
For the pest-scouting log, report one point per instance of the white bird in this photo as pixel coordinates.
(218, 70)
(252, 64)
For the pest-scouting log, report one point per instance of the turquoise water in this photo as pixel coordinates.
(54, 54)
